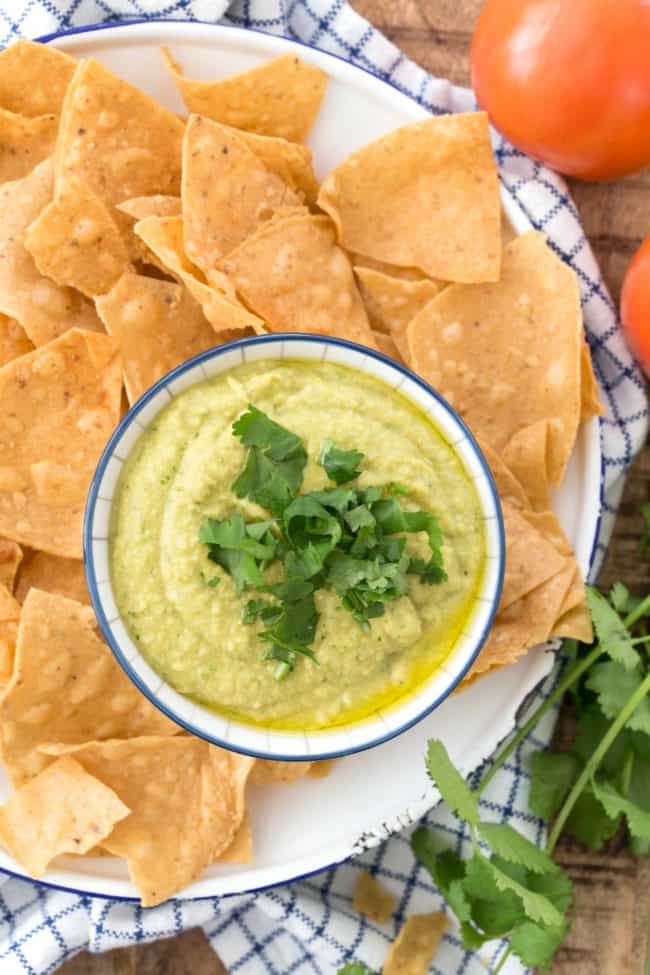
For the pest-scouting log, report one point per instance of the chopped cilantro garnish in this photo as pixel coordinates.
(340, 465)
(350, 540)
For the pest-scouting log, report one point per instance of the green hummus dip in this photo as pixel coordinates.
(181, 472)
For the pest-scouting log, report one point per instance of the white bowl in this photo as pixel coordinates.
(237, 735)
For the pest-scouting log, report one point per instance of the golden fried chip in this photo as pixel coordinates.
(392, 303)
(575, 624)
(415, 945)
(290, 161)
(426, 196)
(392, 270)
(34, 78)
(164, 236)
(151, 206)
(508, 487)
(67, 687)
(372, 899)
(13, 341)
(227, 192)
(241, 847)
(9, 616)
(118, 140)
(280, 98)
(157, 324)
(10, 558)
(293, 274)
(530, 558)
(590, 403)
(76, 242)
(60, 405)
(62, 810)
(267, 771)
(64, 577)
(507, 355)
(44, 309)
(24, 142)
(525, 623)
(526, 456)
(386, 345)
(186, 800)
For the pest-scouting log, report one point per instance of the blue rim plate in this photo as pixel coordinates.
(480, 721)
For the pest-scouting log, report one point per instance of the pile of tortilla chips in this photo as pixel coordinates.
(132, 239)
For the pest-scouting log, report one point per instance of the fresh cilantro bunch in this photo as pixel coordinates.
(509, 888)
(348, 539)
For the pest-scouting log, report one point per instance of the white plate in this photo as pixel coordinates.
(385, 789)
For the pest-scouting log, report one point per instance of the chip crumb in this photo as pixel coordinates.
(372, 899)
(415, 945)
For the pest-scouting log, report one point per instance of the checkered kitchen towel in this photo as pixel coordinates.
(309, 928)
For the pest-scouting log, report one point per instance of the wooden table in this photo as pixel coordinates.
(612, 918)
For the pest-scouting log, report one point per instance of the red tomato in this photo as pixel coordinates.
(635, 304)
(568, 81)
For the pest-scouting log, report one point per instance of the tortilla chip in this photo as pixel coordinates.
(575, 624)
(413, 949)
(386, 345)
(9, 617)
(164, 236)
(13, 341)
(60, 404)
(34, 78)
(24, 142)
(288, 160)
(268, 772)
(590, 403)
(292, 273)
(76, 242)
(392, 270)
(186, 800)
(67, 687)
(64, 577)
(241, 848)
(62, 810)
(425, 195)
(524, 624)
(44, 309)
(280, 98)
(322, 768)
(10, 558)
(118, 140)
(526, 455)
(392, 303)
(507, 355)
(508, 487)
(373, 900)
(227, 192)
(151, 206)
(157, 324)
(530, 558)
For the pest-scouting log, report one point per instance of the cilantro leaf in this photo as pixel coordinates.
(535, 945)
(536, 906)
(509, 844)
(273, 470)
(355, 968)
(615, 805)
(444, 866)
(614, 685)
(471, 938)
(451, 785)
(392, 518)
(620, 598)
(233, 545)
(556, 886)
(590, 823)
(553, 774)
(340, 465)
(610, 630)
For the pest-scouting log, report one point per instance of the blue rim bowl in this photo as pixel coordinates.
(239, 736)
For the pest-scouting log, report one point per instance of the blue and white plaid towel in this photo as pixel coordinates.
(309, 928)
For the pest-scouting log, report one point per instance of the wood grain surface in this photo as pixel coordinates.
(612, 914)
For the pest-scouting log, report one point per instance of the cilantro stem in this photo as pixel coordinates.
(502, 960)
(596, 758)
(569, 678)
(636, 614)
